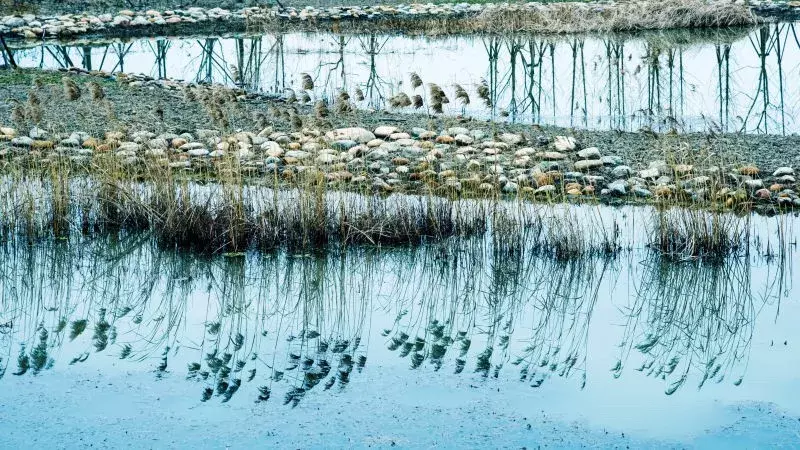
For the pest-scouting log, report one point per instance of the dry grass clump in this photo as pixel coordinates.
(416, 101)
(71, 90)
(400, 100)
(307, 81)
(461, 95)
(571, 17)
(321, 109)
(437, 98)
(546, 18)
(96, 91)
(485, 93)
(688, 233)
(359, 95)
(416, 81)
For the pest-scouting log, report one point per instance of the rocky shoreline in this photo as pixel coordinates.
(152, 22)
(473, 159)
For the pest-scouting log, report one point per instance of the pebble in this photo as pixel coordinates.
(586, 164)
(589, 153)
(781, 171)
(618, 188)
(621, 172)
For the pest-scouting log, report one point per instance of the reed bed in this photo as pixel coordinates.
(546, 18)
(572, 17)
(234, 214)
(691, 233)
(231, 212)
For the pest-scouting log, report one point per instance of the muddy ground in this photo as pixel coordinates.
(159, 110)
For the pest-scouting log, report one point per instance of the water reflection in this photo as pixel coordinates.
(283, 325)
(719, 80)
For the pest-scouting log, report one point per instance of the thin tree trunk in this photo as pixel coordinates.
(7, 51)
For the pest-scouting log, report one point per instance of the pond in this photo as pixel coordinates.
(637, 341)
(731, 80)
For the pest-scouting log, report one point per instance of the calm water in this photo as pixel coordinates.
(732, 80)
(616, 339)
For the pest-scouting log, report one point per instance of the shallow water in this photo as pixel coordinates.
(635, 342)
(729, 80)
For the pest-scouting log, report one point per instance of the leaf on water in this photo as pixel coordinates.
(62, 324)
(484, 362)
(416, 360)
(617, 369)
(122, 312)
(240, 365)
(39, 353)
(207, 393)
(101, 328)
(397, 341)
(361, 362)
(193, 369)
(340, 346)
(126, 351)
(23, 362)
(213, 328)
(465, 344)
(80, 358)
(675, 386)
(238, 342)
(162, 366)
(263, 394)
(407, 347)
(77, 328)
(294, 396)
(235, 384)
(251, 375)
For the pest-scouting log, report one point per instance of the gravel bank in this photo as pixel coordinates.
(188, 128)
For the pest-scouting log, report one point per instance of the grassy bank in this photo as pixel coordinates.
(540, 18)
(294, 180)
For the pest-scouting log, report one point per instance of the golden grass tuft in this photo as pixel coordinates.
(573, 17)
(96, 91)
(71, 90)
(308, 83)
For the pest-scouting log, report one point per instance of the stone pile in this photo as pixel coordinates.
(455, 160)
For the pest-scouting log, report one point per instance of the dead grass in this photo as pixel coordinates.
(575, 17)
(544, 18)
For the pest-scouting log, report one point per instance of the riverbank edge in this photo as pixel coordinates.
(440, 19)
(569, 159)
